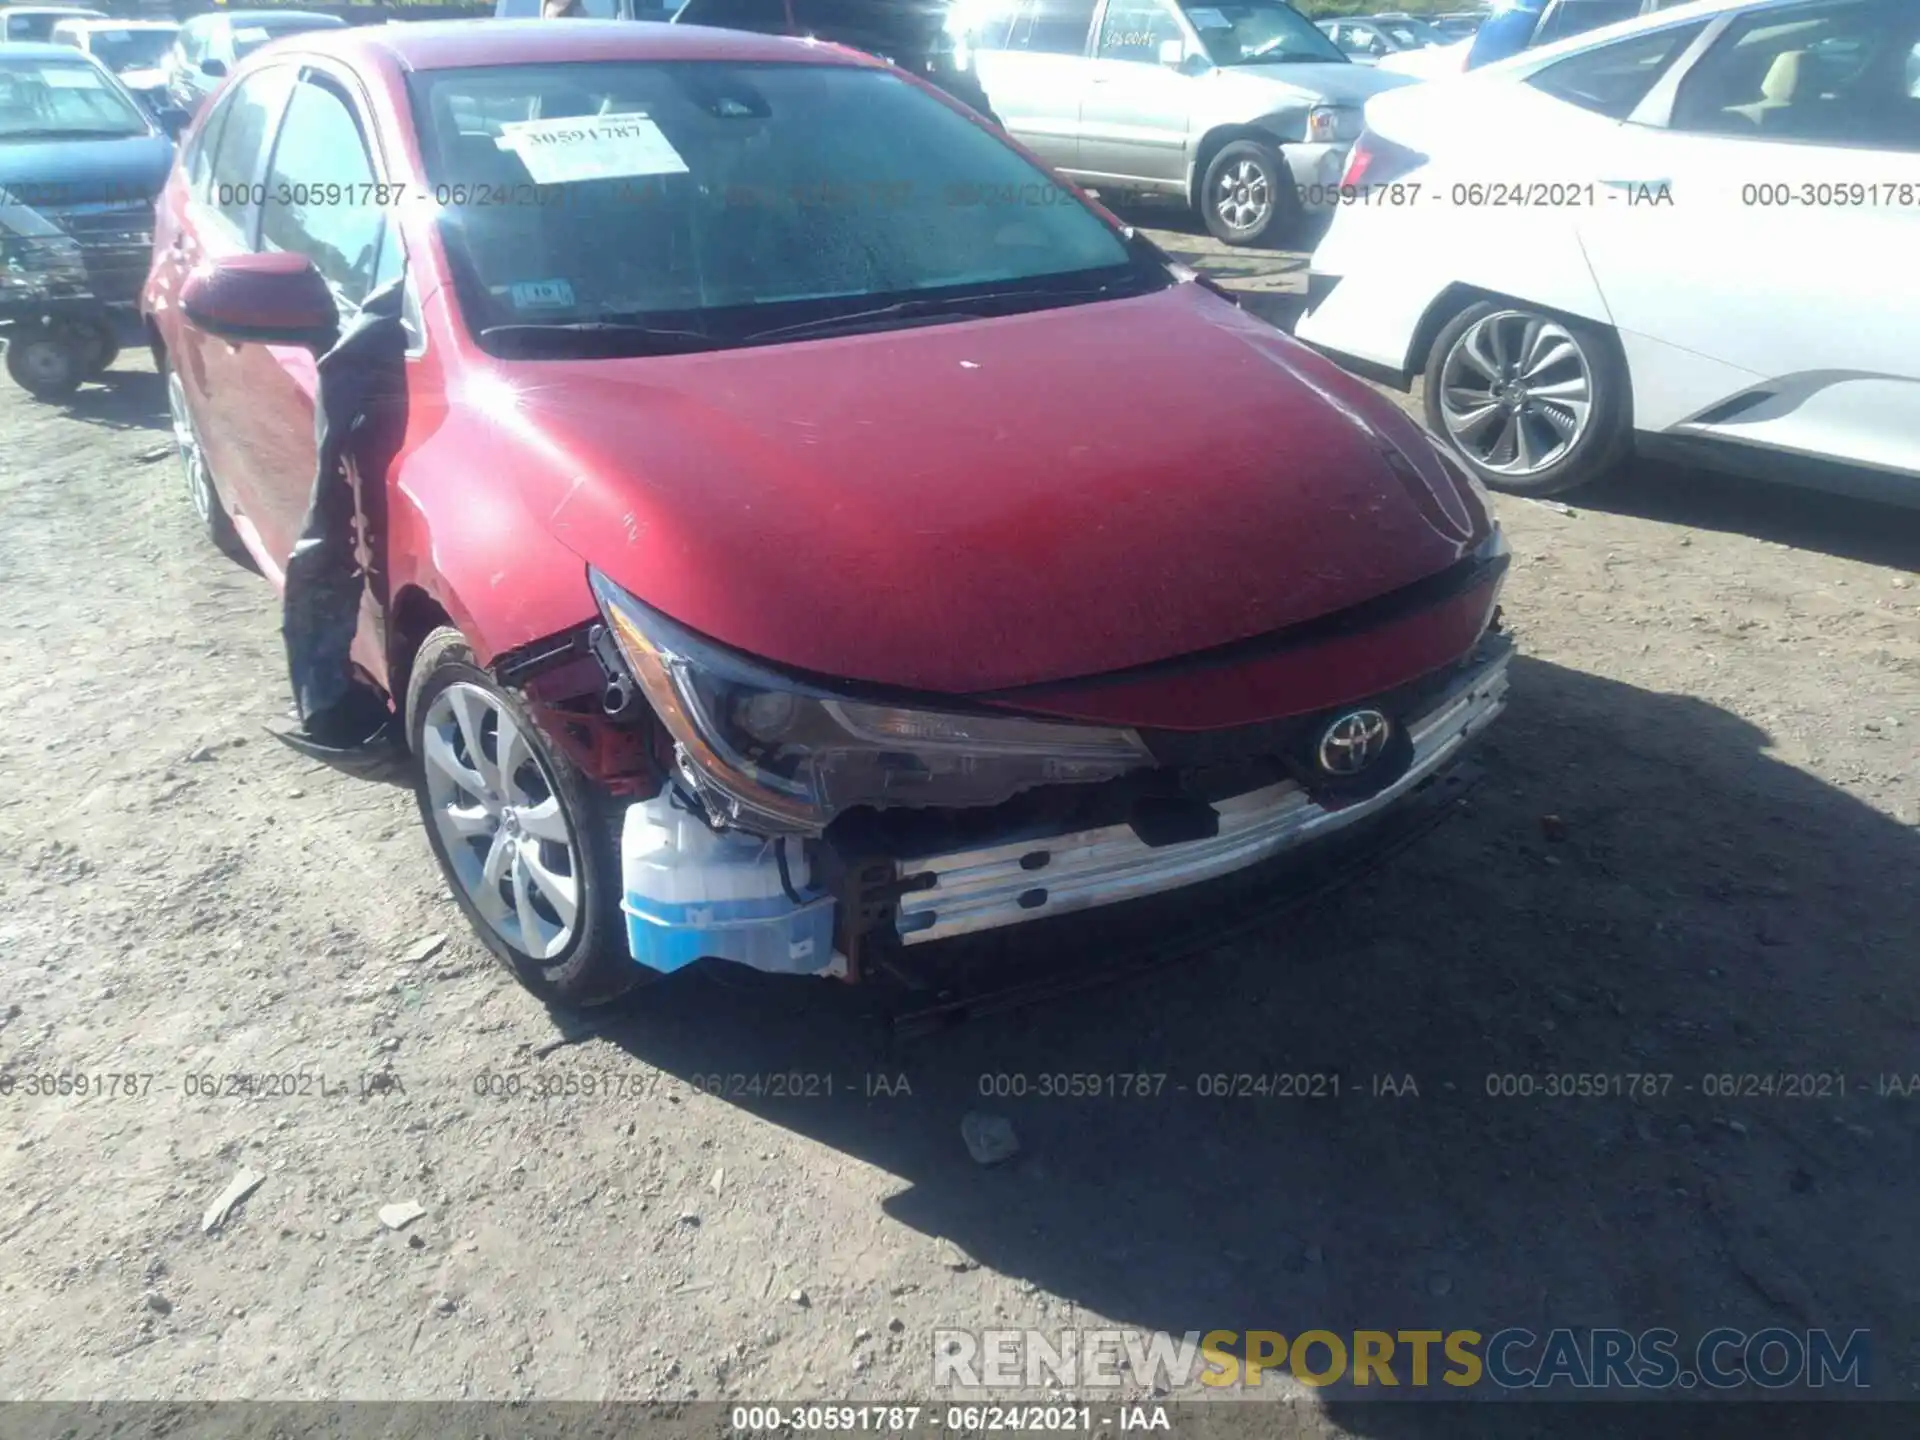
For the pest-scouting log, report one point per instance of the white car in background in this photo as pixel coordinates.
(1697, 232)
(1429, 62)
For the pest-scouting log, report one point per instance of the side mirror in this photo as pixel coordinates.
(276, 298)
(173, 120)
(213, 69)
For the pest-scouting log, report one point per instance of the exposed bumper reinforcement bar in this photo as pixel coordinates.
(1008, 884)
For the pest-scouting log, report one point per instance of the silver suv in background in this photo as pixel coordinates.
(1241, 108)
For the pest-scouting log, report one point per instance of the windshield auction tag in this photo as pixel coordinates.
(590, 147)
(251, 35)
(70, 77)
(1209, 20)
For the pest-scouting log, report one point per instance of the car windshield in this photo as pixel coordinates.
(251, 36)
(129, 49)
(1259, 32)
(51, 99)
(718, 201)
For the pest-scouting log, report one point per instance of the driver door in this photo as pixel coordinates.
(1137, 107)
(1031, 59)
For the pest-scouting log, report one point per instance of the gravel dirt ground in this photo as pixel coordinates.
(1693, 855)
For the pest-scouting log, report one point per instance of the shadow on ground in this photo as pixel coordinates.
(1693, 909)
(1786, 514)
(123, 400)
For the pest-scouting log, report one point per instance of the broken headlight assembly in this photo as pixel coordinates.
(771, 752)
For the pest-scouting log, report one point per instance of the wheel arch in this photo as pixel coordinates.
(1217, 139)
(415, 614)
(1458, 296)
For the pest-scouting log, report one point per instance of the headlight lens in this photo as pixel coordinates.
(1332, 122)
(780, 754)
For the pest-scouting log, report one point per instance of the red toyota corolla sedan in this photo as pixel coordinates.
(799, 528)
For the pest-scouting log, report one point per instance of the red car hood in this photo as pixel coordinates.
(988, 504)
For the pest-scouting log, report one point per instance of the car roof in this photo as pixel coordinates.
(93, 23)
(456, 44)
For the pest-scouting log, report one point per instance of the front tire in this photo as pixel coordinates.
(47, 364)
(528, 845)
(1534, 403)
(102, 351)
(1246, 195)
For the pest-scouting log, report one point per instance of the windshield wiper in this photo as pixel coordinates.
(600, 337)
(952, 307)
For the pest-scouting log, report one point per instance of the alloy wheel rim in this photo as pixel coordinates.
(1516, 393)
(192, 460)
(1244, 197)
(501, 824)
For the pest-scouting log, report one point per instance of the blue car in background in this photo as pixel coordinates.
(80, 163)
(1517, 25)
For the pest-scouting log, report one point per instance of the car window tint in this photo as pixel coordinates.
(1834, 73)
(1613, 79)
(206, 144)
(1135, 30)
(1574, 17)
(319, 198)
(236, 164)
(1052, 27)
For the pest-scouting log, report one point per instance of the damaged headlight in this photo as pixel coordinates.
(781, 754)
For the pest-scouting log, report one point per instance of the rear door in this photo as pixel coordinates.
(1031, 57)
(1135, 110)
(1790, 147)
(220, 216)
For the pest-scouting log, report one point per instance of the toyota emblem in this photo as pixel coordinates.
(1354, 741)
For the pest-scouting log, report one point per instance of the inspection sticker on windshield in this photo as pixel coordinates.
(541, 295)
(251, 35)
(1209, 20)
(590, 147)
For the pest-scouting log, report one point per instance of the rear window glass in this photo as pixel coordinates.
(1614, 79)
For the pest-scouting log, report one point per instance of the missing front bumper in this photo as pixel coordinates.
(966, 891)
